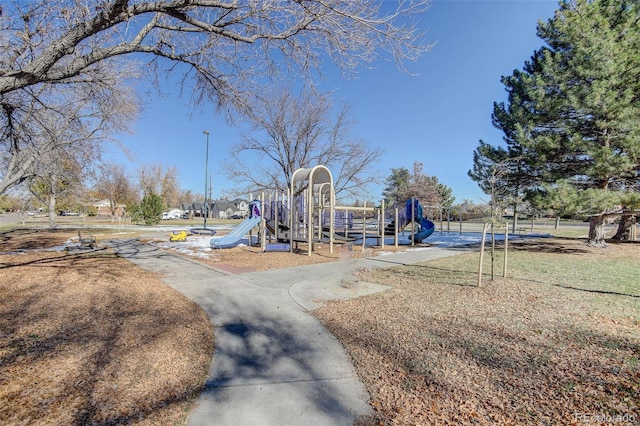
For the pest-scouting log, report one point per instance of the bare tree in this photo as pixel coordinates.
(226, 43)
(114, 186)
(423, 187)
(185, 197)
(163, 181)
(60, 177)
(296, 132)
(39, 121)
(229, 47)
(403, 185)
(59, 142)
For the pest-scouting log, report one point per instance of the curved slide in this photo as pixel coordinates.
(426, 226)
(426, 229)
(239, 231)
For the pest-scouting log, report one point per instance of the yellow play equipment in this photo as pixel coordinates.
(180, 236)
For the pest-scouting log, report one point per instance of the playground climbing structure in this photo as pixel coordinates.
(312, 194)
(308, 214)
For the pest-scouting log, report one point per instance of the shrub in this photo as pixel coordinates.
(149, 210)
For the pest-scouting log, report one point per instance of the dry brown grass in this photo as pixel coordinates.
(249, 259)
(438, 350)
(88, 338)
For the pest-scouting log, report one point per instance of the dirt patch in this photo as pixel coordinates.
(438, 350)
(88, 338)
(254, 259)
(242, 259)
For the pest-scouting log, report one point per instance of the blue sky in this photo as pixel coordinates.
(435, 116)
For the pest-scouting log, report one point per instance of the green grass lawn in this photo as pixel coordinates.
(568, 265)
(590, 272)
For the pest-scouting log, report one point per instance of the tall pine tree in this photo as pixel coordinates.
(572, 111)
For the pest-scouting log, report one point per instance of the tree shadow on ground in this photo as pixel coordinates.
(268, 350)
(85, 314)
(33, 239)
(60, 260)
(555, 245)
(259, 352)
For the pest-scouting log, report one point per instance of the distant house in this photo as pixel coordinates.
(105, 210)
(228, 209)
(186, 208)
(242, 207)
(219, 209)
(196, 209)
(223, 209)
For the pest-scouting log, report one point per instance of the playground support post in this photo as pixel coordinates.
(413, 221)
(276, 215)
(506, 250)
(263, 224)
(396, 228)
(484, 237)
(309, 220)
(493, 250)
(381, 223)
(332, 216)
(364, 228)
(448, 220)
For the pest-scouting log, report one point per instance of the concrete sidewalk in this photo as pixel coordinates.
(274, 363)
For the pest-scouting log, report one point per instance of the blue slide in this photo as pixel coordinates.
(241, 230)
(426, 226)
(426, 229)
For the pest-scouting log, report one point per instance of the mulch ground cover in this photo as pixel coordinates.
(439, 350)
(88, 338)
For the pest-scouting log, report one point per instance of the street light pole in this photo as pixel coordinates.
(206, 175)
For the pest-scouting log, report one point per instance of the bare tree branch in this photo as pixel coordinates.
(53, 50)
(39, 121)
(53, 41)
(294, 132)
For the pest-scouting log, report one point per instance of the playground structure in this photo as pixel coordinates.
(232, 238)
(412, 215)
(311, 216)
(308, 215)
(313, 188)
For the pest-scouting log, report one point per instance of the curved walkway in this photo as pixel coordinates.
(274, 363)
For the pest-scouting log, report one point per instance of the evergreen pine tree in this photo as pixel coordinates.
(572, 111)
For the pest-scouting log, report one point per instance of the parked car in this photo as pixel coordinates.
(184, 216)
(171, 215)
(235, 216)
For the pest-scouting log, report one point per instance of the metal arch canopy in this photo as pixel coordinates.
(315, 175)
(319, 183)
